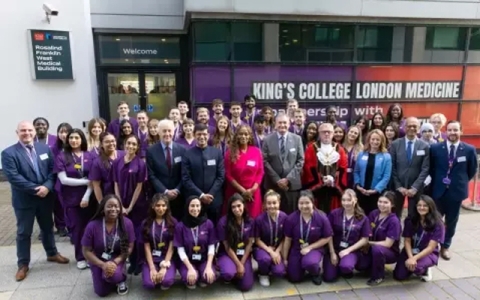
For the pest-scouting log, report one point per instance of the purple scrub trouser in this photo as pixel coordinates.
(167, 282)
(345, 266)
(200, 267)
(401, 272)
(266, 265)
(228, 271)
(58, 213)
(103, 286)
(375, 260)
(78, 218)
(298, 264)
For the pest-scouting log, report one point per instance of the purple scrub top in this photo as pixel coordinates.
(271, 232)
(114, 127)
(248, 233)
(437, 234)
(128, 175)
(184, 238)
(160, 240)
(359, 228)
(388, 227)
(182, 141)
(51, 141)
(319, 228)
(100, 172)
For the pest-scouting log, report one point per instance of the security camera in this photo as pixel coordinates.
(49, 11)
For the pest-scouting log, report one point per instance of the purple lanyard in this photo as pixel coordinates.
(350, 158)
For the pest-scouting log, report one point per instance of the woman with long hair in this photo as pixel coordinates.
(126, 130)
(391, 133)
(307, 231)
(235, 234)
(95, 128)
(157, 241)
(223, 135)
(72, 167)
(310, 134)
(269, 239)
(395, 115)
(362, 123)
(353, 146)
(195, 239)
(244, 170)
(106, 244)
(377, 121)
(351, 230)
(383, 247)
(187, 139)
(268, 115)
(338, 134)
(423, 233)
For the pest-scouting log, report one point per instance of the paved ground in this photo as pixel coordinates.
(456, 279)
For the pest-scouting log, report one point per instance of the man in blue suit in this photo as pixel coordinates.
(28, 167)
(452, 165)
(164, 163)
(203, 173)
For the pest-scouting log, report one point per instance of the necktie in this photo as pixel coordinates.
(33, 156)
(168, 158)
(451, 155)
(409, 151)
(282, 146)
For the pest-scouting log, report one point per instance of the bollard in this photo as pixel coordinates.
(473, 203)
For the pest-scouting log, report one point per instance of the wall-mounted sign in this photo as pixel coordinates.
(51, 54)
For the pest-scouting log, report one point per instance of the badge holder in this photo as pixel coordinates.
(106, 256)
(196, 256)
(415, 251)
(240, 249)
(157, 253)
(446, 181)
(303, 244)
(344, 245)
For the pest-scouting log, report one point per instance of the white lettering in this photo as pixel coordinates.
(135, 51)
(432, 90)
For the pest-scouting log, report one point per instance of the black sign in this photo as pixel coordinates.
(51, 54)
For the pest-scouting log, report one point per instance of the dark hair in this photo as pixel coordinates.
(432, 218)
(343, 137)
(199, 127)
(231, 231)
(372, 123)
(68, 149)
(123, 234)
(389, 118)
(122, 137)
(248, 97)
(452, 122)
(152, 215)
(305, 133)
(390, 196)
(395, 130)
(234, 144)
(60, 144)
(136, 139)
(41, 119)
(365, 120)
(234, 103)
(259, 119)
(102, 155)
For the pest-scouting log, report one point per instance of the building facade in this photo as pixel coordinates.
(361, 55)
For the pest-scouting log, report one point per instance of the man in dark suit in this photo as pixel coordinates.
(452, 165)
(28, 167)
(410, 167)
(164, 163)
(203, 173)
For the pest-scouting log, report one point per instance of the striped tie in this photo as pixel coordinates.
(282, 146)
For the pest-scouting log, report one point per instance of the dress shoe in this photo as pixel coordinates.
(59, 259)
(21, 273)
(445, 254)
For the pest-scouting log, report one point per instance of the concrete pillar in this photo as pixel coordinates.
(271, 47)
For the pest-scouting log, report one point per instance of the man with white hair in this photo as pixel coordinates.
(164, 163)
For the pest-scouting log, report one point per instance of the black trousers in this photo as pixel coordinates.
(400, 200)
(368, 203)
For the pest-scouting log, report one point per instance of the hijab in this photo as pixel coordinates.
(190, 221)
(427, 127)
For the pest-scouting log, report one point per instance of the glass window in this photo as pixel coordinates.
(475, 39)
(445, 38)
(374, 43)
(211, 41)
(247, 41)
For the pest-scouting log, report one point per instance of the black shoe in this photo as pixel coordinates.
(131, 269)
(317, 280)
(62, 232)
(374, 282)
(347, 276)
(138, 270)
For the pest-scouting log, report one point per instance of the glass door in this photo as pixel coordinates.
(161, 95)
(124, 87)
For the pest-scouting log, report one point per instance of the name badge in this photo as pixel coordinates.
(43, 156)
(177, 159)
(106, 256)
(292, 150)
(349, 170)
(421, 153)
(304, 245)
(343, 245)
(196, 257)
(415, 251)
(251, 163)
(211, 162)
(240, 252)
(364, 157)
(462, 159)
(157, 253)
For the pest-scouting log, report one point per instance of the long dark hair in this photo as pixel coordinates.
(68, 148)
(233, 236)
(102, 155)
(123, 234)
(372, 123)
(60, 144)
(139, 143)
(432, 218)
(152, 215)
(365, 121)
(305, 133)
(121, 136)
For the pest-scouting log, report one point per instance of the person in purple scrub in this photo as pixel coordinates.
(41, 127)
(395, 115)
(153, 137)
(115, 127)
(267, 113)
(129, 176)
(307, 231)
(438, 120)
(157, 240)
(217, 108)
(423, 233)
(187, 138)
(101, 173)
(203, 117)
(106, 244)
(174, 116)
(259, 132)
(126, 130)
(353, 146)
(332, 113)
(195, 239)
(235, 112)
(298, 127)
(250, 112)
(142, 130)
(383, 247)
(223, 135)
(72, 168)
(269, 239)
(95, 128)
(235, 232)
(183, 109)
(351, 231)
(292, 105)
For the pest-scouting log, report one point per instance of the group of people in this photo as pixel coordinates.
(205, 197)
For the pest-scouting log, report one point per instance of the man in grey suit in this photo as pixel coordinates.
(410, 166)
(283, 158)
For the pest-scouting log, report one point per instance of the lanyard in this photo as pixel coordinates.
(346, 234)
(351, 157)
(378, 226)
(153, 233)
(46, 140)
(80, 171)
(195, 235)
(241, 232)
(250, 118)
(305, 237)
(105, 237)
(416, 242)
(273, 234)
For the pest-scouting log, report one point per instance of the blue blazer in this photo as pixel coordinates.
(463, 170)
(381, 172)
(19, 170)
(160, 177)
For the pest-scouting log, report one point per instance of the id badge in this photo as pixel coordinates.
(344, 245)
(240, 252)
(106, 256)
(304, 245)
(157, 253)
(415, 251)
(196, 257)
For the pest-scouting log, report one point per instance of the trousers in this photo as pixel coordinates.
(199, 267)
(78, 218)
(102, 286)
(374, 261)
(266, 265)
(346, 265)
(228, 271)
(58, 213)
(167, 282)
(298, 264)
(401, 272)
(451, 210)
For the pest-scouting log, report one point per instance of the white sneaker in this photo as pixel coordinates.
(202, 284)
(264, 280)
(191, 287)
(428, 277)
(82, 265)
(122, 288)
(163, 288)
